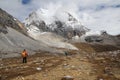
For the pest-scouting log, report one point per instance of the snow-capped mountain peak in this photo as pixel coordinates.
(59, 22)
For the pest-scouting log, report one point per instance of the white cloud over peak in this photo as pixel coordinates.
(94, 14)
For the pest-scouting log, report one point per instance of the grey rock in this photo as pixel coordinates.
(38, 68)
(67, 78)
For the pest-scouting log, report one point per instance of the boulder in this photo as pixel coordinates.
(67, 78)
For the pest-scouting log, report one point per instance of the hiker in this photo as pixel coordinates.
(24, 55)
(66, 53)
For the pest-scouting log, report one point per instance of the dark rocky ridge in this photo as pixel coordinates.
(6, 20)
(118, 36)
(104, 38)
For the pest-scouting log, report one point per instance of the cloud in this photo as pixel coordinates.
(106, 19)
(58, 10)
(94, 14)
(16, 8)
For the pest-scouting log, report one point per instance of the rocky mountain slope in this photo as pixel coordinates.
(14, 38)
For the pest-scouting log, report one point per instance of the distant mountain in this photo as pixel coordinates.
(67, 28)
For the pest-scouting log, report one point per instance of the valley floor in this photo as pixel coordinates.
(81, 66)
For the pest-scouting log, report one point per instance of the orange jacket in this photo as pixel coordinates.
(24, 54)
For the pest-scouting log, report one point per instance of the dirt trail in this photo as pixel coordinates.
(81, 66)
(14, 67)
(72, 66)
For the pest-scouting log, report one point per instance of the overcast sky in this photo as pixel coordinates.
(94, 14)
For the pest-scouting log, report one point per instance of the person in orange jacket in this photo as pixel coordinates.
(24, 55)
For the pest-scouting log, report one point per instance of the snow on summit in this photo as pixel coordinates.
(49, 16)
